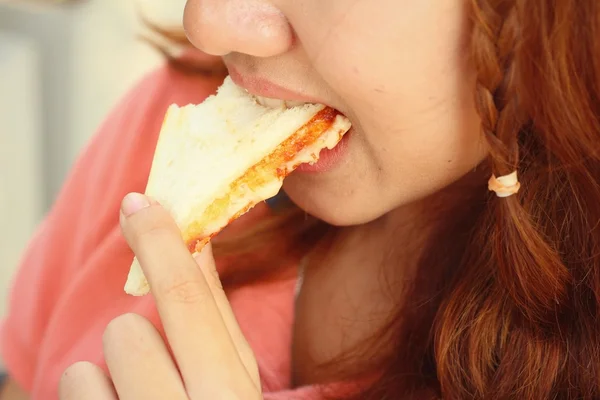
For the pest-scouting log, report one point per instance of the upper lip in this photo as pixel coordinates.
(259, 86)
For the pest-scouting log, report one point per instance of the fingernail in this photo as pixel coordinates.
(134, 202)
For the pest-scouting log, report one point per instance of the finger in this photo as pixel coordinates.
(138, 360)
(85, 381)
(193, 324)
(208, 267)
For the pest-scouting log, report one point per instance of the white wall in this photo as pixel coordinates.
(91, 55)
(61, 70)
(20, 164)
(108, 57)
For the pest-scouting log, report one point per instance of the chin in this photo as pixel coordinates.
(335, 206)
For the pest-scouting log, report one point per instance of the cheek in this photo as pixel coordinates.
(414, 48)
(433, 152)
(415, 105)
(409, 90)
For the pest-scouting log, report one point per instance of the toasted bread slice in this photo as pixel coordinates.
(215, 161)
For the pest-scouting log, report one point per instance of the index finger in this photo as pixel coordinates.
(196, 332)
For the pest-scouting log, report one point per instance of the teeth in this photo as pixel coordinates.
(276, 103)
(270, 103)
(291, 104)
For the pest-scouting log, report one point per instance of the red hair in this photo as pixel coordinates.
(506, 302)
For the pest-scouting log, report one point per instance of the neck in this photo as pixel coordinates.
(354, 283)
(402, 235)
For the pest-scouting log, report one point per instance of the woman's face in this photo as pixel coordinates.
(398, 69)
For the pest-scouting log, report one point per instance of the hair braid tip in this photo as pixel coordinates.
(504, 186)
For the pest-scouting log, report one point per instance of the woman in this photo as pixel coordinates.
(416, 281)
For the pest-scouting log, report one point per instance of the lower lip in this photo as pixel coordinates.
(328, 159)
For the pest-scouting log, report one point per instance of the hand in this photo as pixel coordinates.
(209, 357)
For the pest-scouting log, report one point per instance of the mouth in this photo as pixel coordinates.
(328, 157)
(271, 95)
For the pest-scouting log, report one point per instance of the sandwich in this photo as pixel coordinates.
(215, 161)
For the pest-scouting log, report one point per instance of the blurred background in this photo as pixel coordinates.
(63, 65)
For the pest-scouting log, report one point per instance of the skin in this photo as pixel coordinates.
(200, 327)
(398, 69)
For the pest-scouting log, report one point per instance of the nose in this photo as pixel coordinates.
(254, 27)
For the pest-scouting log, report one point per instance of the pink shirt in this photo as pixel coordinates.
(70, 283)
